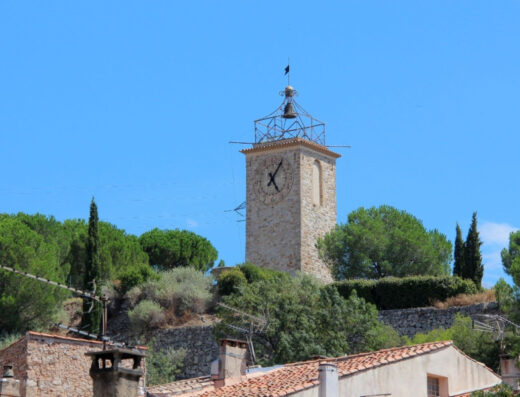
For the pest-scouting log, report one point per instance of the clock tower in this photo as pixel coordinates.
(291, 191)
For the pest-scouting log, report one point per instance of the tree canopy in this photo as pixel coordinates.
(93, 277)
(384, 241)
(28, 304)
(511, 257)
(473, 268)
(168, 249)
(305, 319)
(458, 253)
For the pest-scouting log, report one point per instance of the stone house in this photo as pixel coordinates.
(425, 370)
(52, 365)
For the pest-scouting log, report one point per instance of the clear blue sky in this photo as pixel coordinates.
(135, 102)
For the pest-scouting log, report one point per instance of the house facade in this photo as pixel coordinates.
(436, 369)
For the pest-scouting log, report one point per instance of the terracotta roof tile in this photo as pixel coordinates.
(299, 376)
(260, 147)
(183, 387)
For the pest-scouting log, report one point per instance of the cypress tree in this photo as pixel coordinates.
(473, 269)
(91, 318)
(458, 254)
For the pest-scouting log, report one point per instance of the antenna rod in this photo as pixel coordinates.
(54, 283)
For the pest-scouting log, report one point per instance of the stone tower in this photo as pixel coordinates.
(291, 191)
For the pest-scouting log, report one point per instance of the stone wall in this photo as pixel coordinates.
(16, 355)
(282, 225)
(317, 218)
(51, 365)
(424, 319)
(201, 346)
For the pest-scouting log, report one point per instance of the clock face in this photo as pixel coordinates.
(273, 179)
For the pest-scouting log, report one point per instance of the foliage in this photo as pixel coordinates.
(481, 346)
(162, 366)
(168, 249)
(511, 257)
(231, 281)
(255, 273)
(7, 339)
(134, 276)
(401, 293)
(120, 253)
(179, 290)
(145, 316)
(504, 295)
(473, 268)
(24, 303)
(501, 390)
(304, 319)
(384, 241)
(458, 253)
(91, 318)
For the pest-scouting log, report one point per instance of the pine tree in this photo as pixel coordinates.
(473, 269)
(458, 254)
(91, 310)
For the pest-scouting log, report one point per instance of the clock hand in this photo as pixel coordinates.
(277, 168)
(271, 176)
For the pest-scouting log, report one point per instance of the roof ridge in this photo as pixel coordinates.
(443, 343)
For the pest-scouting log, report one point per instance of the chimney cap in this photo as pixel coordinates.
(8, 371)
(123, 353)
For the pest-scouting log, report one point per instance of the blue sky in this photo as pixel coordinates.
(135, 102)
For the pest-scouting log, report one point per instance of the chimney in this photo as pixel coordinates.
(509, 371)
(9, 386)
(231, 362)
(328, 378)
(116, 373)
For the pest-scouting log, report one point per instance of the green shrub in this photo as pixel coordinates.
(255, 273)
(231, 281)
(7, 339)
(134, 276)
(406, 292)
(502, 390)
(480, 346)
(181, 289)
(145, 316)
(162, 366)
(185, 289)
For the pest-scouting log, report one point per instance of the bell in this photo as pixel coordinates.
(288, 111)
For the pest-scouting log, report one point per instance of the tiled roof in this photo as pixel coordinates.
(299, 376)
(181, 387)
(260, 147)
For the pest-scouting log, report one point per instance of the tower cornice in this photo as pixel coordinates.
(287, 143)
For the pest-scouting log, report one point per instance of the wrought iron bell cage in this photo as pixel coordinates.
(289, 120)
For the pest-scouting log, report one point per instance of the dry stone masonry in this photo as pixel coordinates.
(283, 225)
(51, 365)
(424, 319)
(200, 343)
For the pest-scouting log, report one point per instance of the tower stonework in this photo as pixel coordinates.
(291, 202)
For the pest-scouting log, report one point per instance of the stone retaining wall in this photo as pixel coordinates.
(200, 343)
(424, 319)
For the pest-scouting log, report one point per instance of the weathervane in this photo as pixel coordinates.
(289, 120)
